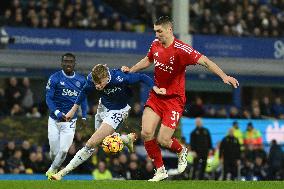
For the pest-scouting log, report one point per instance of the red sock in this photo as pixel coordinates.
(176, 146)
(154, 152)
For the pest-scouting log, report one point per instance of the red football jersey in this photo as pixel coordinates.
(170, 65)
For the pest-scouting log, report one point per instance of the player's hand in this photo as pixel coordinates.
(231, 81)
(69, 115)
(125, 69)
(160, 91)
(61, 116)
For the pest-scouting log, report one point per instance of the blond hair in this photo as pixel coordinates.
(99, 72)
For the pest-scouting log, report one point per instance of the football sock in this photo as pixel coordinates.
(80, 157)
(154, 152)
(176, 146)
(58, 160)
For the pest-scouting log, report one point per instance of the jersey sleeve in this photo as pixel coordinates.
(89, 86)
(50, 90)
(131, 78)
(188, 55)
(84, 103)
(150, 52)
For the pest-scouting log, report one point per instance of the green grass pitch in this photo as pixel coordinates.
(118, 184)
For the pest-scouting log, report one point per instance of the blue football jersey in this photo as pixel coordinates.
(62, 91)
(116, 93)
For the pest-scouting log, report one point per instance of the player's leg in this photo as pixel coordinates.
(67, 131)
(53, 138)
(116, 117)
(87, 151)
(150, 121)
(170, 122)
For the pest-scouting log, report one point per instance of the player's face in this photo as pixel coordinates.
(163, 33)
(101, 84)
(68, 64)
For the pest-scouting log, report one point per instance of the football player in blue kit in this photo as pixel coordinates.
(62, 90)
(112, 110)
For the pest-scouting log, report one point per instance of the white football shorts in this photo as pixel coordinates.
(110, 117)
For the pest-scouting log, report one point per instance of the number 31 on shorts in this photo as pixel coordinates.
(175, 118)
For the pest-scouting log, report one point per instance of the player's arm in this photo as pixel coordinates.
(82, 97)
(50, 90)
(210, 65)
(142, 64)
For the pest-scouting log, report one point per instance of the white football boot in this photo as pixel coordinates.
(160, 174)
(182, 160)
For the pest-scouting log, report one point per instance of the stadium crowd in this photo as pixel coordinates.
(258, 18)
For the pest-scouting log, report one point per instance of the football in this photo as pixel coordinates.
(112, 144)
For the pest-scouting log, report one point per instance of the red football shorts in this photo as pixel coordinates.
(169, 109)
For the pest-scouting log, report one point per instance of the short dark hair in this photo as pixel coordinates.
(164, 20)
(69, 55)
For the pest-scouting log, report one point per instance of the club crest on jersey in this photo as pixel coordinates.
(156, 54)
(78, 84)
(62, 83)
(120, 79)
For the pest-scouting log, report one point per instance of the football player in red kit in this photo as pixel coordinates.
(170, 57)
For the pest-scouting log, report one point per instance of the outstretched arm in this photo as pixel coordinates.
(142, 64)
(210, 65)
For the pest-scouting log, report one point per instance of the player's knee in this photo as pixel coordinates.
(146, 134)
(163, 141)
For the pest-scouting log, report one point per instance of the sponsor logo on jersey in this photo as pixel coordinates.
(164, 67)
(68, 92)
(112, 90)
(156, 54)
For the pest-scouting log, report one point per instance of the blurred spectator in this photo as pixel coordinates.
(200, 142)
(13, 93)
(230, 156)
(210, 112)
(27, 100)
(221, 113)
(9, 150)
(116, 169)
(252, 136)
(265, 107)
(278, 108)
(197, 109)
(2, 102)
(26, 150)
(238, 133)
(148, 171)
(260, 169)
(234, 113)
(102, 173)
(34, 113)
(275, 160)
(134, 173)
(16, 110)
(15, 164)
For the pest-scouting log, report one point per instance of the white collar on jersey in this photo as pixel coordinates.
(109, 76)
(68, 76)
